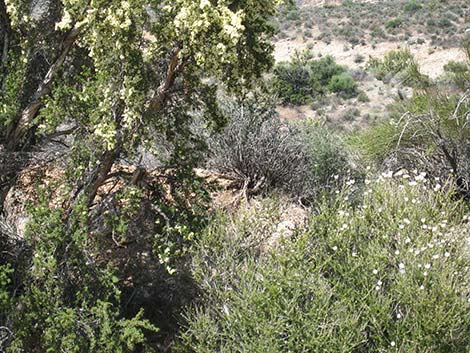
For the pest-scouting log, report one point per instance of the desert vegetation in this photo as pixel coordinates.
(405, 21)
(155, 196)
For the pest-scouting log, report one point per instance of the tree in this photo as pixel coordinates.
(101, 81)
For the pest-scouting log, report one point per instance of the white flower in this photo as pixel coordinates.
(350, 182)
(399, 173)
(379, 282)
(398, 316)
(377, 287)
(427, 266)
(374, 271)
(425, 273)
(335, 248)
(446, 254)
(401, 265)
(407, 240)
(397, 252)
(401, 226)
(421, 287)
(435, 257)
(407, 221)
(393, 344)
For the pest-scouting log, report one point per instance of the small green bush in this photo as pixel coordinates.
(395, 23)
(363, 97)
(412, 6)
(323, 70)
(398, 62)
(351, 114)
(344, 84)
(459, 73)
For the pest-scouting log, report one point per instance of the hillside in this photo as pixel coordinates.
(181, 176)
(354, 31)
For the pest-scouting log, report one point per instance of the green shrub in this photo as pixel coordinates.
(363, 97)
(344, 84)
(412, 6)
(444, 22)
(297, 82)
(459, 73)
(398, 62)
(377, 32)
(389, 274)
(426, 132)
(323, 70)
(68, 302)
(292, 82)
(351, 114)
(395, 23)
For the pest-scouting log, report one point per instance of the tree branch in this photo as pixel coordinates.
(18, 130)
(175, 66)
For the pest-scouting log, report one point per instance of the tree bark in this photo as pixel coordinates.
(18, 130)
(5, 42)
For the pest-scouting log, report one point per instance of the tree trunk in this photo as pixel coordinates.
(4, 42)
(17, 130)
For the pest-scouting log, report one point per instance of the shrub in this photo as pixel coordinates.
(459, 73)
(351, 114)
(399, 62)
(444, 22)
(428, 132)
(389, 274)
(377, 32)
(323, 70)
(263, 154)
(256, 149)
(395, 23)
(344, 84)
(412, 6)
(292, 82)
(363, 97)
(358, 58)
(298, 81)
